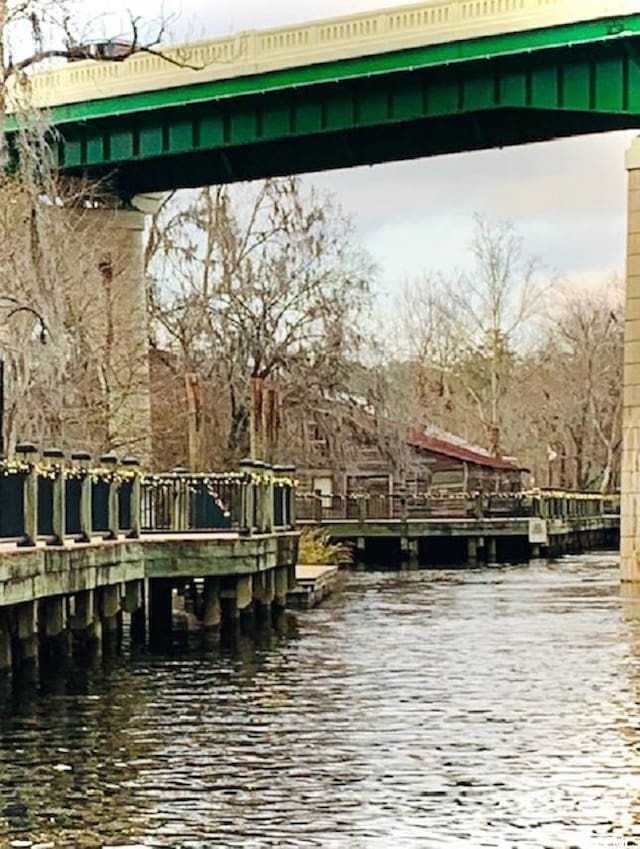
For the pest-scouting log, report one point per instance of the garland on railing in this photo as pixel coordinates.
(14, 467)
(188, 477)
(463, 496)
(217, 500)
(125, 474)
(51, 471)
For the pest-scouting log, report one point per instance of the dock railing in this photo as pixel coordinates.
(545, 504)
(50, 498)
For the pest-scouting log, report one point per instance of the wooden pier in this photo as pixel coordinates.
(81, 545)
(437, 528)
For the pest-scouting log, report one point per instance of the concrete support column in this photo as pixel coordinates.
(472, 550)
(212, 614)
(53, 614)
(112, 267)
(27, 632)
(54, 636)
(160, 611)
(83, 611)
(280, 585)
(630, 485)
(236, 596)
(133, 594)
(263, 593)
(6, 651)
(409, 549)
(133, 604)
(110, 608)
(85, 624)
(492, 549)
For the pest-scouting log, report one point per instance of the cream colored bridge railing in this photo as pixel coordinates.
(320, 41)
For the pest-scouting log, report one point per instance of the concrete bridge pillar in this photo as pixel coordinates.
(111, 268)
(630, 484)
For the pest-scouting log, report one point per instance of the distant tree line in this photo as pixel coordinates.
(270, 281)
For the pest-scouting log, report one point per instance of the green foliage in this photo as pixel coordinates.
(317, 550)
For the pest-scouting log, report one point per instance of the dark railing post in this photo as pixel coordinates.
(135, 502)
(289, 497)
(279, 495)
(247, 497)
(180, 502)
(362, 510)
(259, 494)
(28, 453)
(54, 457)
(110, 461)
(83, 461)
(269, 516)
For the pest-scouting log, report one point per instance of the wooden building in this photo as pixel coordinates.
(427, 462)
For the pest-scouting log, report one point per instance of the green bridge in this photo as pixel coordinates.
(431, 78)
(415, 81)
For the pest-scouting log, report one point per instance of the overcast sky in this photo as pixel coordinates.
(567, 198)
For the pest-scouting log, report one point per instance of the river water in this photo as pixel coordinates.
(495, 707)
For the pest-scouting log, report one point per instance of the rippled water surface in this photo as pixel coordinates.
(487, 708)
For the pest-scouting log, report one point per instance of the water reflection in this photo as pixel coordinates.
(492, 707)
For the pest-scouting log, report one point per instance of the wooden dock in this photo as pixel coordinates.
(437, 529)
(313, 584)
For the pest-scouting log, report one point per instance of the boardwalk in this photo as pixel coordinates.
(80, 546)
(489, 527)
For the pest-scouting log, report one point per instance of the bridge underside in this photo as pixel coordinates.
(208, 134)
(356, 147)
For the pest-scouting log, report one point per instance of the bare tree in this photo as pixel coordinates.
(39, 33)
(263, 282)
(583, 346)
(466, 332)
